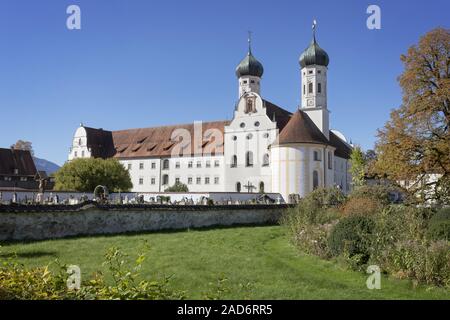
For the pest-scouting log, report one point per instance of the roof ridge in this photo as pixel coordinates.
(173, 125)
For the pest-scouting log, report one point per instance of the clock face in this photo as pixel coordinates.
(310, 102)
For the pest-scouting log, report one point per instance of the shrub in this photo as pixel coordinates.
(324, 198)
(352, 236)
(177, 187)
(424, 262)
(397, 223)
(310, 222)
(18, 282)
(361, 206)
(439, 225)
(379, 193)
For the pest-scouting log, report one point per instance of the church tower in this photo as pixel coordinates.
(249, 72)
(314, 62)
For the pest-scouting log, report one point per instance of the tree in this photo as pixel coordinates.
(84, 174)
(178, 187)
(357, 166)
(23, 145)
(415, 142)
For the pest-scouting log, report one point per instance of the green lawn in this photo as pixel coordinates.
(259, 256)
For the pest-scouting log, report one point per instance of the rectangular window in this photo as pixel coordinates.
(304, 89)
(317, 156)
(199, 180)
(177, 165)
(153, 181)
(190, 164)
(190, 180)
(310, 87)
(207, 180)
(153, 165)
(177, 180)
(76, 154)
(216, 163)
(141, 181)
(199, 164)
(216, 180)
(319, 88)
(208, 164)
(141, 166)
(129, 166)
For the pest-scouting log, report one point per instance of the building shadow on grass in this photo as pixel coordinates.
(135, 233)
(28, 254)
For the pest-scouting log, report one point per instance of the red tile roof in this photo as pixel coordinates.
(11, 159)
(301, 129)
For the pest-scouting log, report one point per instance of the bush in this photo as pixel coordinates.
(361, 206)
(423, 262)
(439, 225)
(379, 193)
(18, 282)
(310, 222)
(352, 236)
(177, 187)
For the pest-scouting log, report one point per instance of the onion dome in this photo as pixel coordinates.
(249, 66)
(314, 55)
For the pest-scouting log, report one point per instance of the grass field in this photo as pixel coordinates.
(258, 262)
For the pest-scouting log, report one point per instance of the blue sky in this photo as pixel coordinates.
(147, 63)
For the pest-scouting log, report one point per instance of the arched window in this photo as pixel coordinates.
(234, 161)
(238, 187)
(249, 159)
(310, 87)
(165, 179)
(79, 142)
(315, 179)
(330, 160)
(265, 160)
(261, 187)
(166, 164)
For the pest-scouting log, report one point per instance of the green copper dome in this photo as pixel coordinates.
(314, 55)
(249, 66)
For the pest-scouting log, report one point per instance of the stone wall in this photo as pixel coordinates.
(38, 224)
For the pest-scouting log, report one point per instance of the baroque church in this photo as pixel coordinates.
(263, 148)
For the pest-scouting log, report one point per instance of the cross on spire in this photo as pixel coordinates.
(314, 27)
(249, 42)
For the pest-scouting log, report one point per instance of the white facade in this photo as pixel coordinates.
(314, 96)
(252, 159)
(79, 147)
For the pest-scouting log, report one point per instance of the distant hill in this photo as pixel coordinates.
(45, 165)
